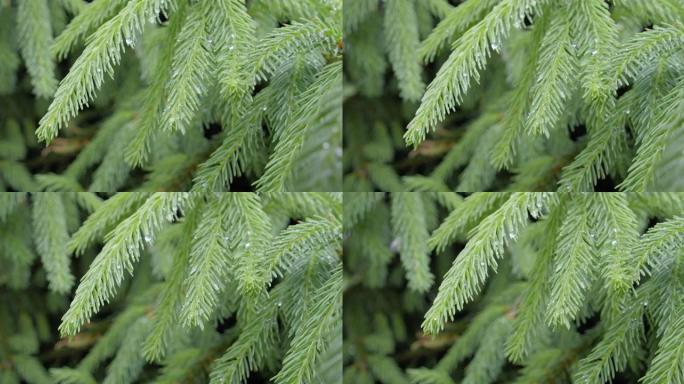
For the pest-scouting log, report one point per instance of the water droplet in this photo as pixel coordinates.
(99, 70)
(512, 236)
(395, 244)
(338, 151)
(326, 146)
(247, 245)
(613, 243)
(594, 52)
(279, 304)
(231, 47)
(495, 47)
(645, 303)
(129, 41)
(482, 263)
(148, 239)
(264, 109)
(193, 270)
(628, 112)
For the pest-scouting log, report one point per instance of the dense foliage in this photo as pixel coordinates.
(170, 287)
(521, 95)
(514, 287)
(170, 95)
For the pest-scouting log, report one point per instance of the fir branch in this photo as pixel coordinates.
(253, 236)
(620, 342)
(287, 42)
(288, 148)
(112, 212)
(460, 220)
(409, 227)
(309, 340)
(249, 351)
(666, 366)
(555, 68)
(137, 151)
(109, 342)
(643, 168)
(232, 24)
(470, 269)
(386, 370)
(457, 21)
(401, 34)
(51, 237)
(35, 39)
(615, 230)
(658, 241)
(166, 313)
(634, 54)
(229, 159)
(574, 259)
(190, 68)
(300, 239)
(470, 55)
(102, 53)
(530, 312)
(207, 267)
(121, 250)
(90, 18)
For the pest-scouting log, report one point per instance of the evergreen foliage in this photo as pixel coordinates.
(170, 95)
(172, 287)
(521, 95)
(530, 287)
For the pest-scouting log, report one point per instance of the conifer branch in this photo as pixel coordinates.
(470, 269)
(457, 21)
(401, 34)
(574, 257)
(102, 53)
(530, 312)
(35, 39)
(122, 249)
(190, 69)
(470, 55)
(156, 343)
(51, 238)
(310, 337)
(555, 67)
(280, 166)
(112, 212)
(137, 151)
(91, 17)
(409, 227)
(460, 220)
(301, 239)
(209, 258)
